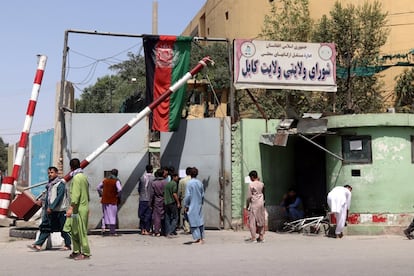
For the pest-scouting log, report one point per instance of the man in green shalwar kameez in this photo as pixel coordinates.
(79, 212)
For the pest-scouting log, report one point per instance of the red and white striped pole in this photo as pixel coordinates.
(9, 182)
(146, 111)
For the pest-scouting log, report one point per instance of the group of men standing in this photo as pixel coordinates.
(166, 202)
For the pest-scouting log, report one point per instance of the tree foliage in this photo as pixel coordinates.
(3, 155)
(288, 20)
(110, 92)
(219, 73)
(358, 32)
(404, 90)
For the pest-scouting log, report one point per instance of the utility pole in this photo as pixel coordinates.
(155, 17)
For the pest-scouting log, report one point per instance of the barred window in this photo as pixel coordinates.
(357, 149)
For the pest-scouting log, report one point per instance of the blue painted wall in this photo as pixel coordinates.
(41, 157)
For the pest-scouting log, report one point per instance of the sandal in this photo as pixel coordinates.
(249, 240)
(81, 257)
(65, 248)
(73, 255)
(34, 247)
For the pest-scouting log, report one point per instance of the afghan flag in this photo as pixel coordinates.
(167, 59)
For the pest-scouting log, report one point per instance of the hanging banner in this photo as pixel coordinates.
(284, 65)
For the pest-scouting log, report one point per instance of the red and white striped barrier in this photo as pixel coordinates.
(9, 182)
(146, 111)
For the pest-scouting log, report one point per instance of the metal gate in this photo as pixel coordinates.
(205, 144)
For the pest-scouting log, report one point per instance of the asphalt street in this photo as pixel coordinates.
(224, 253)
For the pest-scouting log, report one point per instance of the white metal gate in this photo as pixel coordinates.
(205, 144)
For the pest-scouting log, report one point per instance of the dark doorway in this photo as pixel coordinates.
(310, 172)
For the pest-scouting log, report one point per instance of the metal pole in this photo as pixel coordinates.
(10, 182)
(232, 90)
(322, 148)
(155, 17)
(29, 116)
(59, 114)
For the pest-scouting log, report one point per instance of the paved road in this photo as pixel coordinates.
(224, 253)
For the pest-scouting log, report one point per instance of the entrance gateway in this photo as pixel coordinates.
(295, 157)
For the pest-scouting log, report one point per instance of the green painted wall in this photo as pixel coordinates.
(386, 185)
(246, 156)
(278, 171)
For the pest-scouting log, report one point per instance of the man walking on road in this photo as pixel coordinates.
(54, 209)
(255, 205)
(79, 211)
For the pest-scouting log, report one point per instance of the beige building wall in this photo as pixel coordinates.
(244, 19)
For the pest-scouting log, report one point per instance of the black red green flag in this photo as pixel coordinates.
(167, 59)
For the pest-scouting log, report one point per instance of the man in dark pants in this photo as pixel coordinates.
(144, 208)
(54, 210)
(172, 204)
(410, 228)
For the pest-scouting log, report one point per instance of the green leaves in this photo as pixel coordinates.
(290, 22)
(3, 156)
(404, 92)
(110, 92)
(358, 32)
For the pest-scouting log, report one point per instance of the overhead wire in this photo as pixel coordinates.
(110, 60)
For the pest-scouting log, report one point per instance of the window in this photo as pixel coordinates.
(357, 149)
(227, 15)
(196, 97)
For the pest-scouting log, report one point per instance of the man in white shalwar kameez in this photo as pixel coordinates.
(339, 201)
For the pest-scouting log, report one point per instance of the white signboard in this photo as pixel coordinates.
(284, 65)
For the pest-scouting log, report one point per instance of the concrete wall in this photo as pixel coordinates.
(278, 171)
(383, 194)
(247, 156)
(384, 185)
(86, 132)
